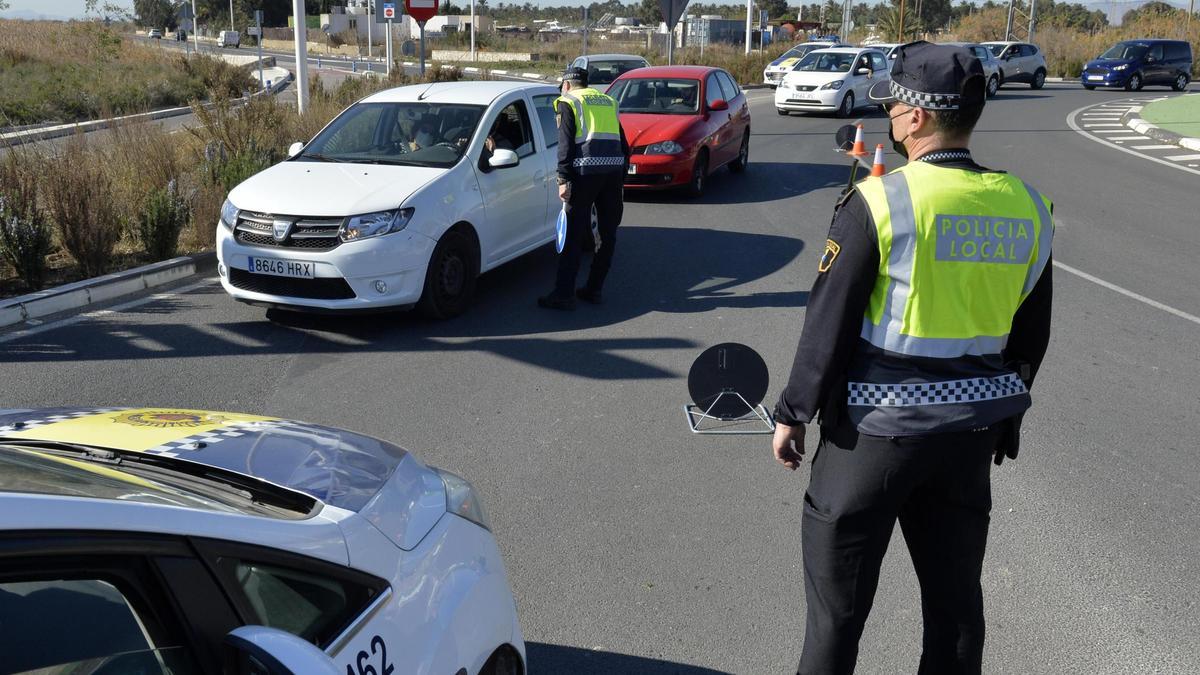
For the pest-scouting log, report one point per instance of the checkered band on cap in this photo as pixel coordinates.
(935, 393)
(921, 99)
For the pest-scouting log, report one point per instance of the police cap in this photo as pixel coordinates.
(934, 77)
(576, 75)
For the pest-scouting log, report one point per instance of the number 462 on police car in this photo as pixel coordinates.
(282, 268)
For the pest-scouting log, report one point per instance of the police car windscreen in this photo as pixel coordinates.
(414, 133)
(657, 96)
(826, 62)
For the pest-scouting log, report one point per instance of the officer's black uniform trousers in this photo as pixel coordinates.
(605, 191)
(938, 487)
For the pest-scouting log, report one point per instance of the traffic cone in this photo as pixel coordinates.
(877, 168)
(860, 147)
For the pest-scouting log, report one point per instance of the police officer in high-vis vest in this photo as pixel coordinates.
(923, 332)
(592, 157)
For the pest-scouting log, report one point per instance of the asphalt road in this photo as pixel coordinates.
(635, 546)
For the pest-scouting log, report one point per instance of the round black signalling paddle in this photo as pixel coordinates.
(845, 137)
(723, 373)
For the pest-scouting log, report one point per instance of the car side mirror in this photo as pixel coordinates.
(295, 148)
(258, 650)
(719, 104)
(1151, 59)
(503, 158)
(863, 71)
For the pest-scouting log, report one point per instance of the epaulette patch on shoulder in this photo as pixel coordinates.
(846, 195)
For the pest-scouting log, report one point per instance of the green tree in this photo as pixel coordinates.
(1155, 8)
(649, 12)
(155, 13)
(776, 9)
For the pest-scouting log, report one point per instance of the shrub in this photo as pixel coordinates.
(80, 197)
(161, 220)
(25, 236)
(205, 211)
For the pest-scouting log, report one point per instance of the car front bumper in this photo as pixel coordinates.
(773, 77)
(347, 278)
(657, 172)
(1112, 78)
(817, 100)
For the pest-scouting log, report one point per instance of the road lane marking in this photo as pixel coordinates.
(1157, 146)
(105, 312)
(1182, 158)
(1111, 131)
(1128, 138)
(1128, 293)
(1105, 124)
(1096, 139)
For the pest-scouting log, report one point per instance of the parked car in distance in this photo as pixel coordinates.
(1019, 62)
(776, 69)
(154, 34)
(832, 80)
(403, 199)
(604, 68)
(229, 38)
(991, 66)
(1135, 63)
(682, 124)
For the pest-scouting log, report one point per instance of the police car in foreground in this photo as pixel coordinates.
(185, 541)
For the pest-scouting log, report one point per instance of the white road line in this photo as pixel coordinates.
(1128, 293)
(1110, 131)
(1129, 138)
(1156, 146)
(105, 312)
(1182, 158)
(1096, 139)
(1105, 124)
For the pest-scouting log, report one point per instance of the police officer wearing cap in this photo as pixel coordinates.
(923, 332)
(592, 157)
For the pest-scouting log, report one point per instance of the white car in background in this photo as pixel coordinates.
(402, 200)
(832, 80)
(187, 542)
(991, 65)
(776, 69)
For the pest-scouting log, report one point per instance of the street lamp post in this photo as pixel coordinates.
(231, 15)
(301, 33)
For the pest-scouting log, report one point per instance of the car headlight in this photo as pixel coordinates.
(836, 84)
(664, 148)
(461, 499)
(1123, 66)
(229, 214)
(374, 224)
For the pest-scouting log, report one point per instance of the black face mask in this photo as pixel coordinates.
(897, 145)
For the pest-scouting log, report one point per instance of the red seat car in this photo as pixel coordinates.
(682, 123)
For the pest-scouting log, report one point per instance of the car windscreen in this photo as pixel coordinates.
(657, 96)
(411, 133)
(1126, 51)
(997, 50)
(826, 62)
(604, 72)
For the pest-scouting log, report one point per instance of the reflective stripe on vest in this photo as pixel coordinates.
(959, 251)
(597, 131)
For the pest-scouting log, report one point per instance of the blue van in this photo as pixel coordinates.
(1135, 63)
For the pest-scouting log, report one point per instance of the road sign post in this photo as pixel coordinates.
(671, 11)
(389, 13)
(421, 11)
(258, 17)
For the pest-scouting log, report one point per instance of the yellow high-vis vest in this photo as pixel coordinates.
(959, 251)
(597, 131)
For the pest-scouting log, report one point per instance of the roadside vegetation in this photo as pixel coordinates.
(80, 70)
(137, 194)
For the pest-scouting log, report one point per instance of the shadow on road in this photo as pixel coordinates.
(762, 182)
(657, 270)
(545, 659)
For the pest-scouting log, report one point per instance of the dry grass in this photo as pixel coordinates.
(65, 72)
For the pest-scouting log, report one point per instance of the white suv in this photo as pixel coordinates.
(403, 199)
(1019, 62)
(832, 80)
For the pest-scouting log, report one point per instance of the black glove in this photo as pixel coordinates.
(1010, 439)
